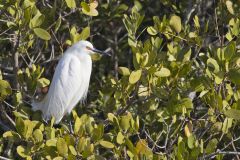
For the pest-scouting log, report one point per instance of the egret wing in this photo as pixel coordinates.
(66, 82)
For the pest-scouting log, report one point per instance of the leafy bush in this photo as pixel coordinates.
(170, 90)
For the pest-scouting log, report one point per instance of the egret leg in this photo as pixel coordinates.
(68, 123)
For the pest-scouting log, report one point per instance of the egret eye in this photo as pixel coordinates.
(89, 48)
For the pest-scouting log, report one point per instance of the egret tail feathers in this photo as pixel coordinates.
(37, 106)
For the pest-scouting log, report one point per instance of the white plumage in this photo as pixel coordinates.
(70, 82)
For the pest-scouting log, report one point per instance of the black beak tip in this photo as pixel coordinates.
(102, 52)
(107, 53)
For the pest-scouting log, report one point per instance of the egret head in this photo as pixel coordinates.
(88, 48)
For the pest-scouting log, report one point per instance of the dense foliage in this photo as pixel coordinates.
(169, 91)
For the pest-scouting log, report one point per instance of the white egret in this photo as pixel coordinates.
(70, 82)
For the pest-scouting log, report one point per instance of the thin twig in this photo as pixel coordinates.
(4, 158)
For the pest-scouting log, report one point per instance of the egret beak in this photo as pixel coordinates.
(101, 52)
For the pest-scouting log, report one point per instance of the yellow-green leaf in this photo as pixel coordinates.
(77, 125)
(175, 23)
(234, 76)
(142, 148)
(58, 24)
(196, 22)
(22, 151)
(37, 135)
(164, 72)
(43, 82)
(85, 6)
(152, 31)
(71, 3)
(41, 33)
(233, 113)
(92, 9)
(229, 5)
(120, 138)
(125, 122)
(51, 142)
(5, 89)
(135, 76)
(1, 77)
(213, 65)
(37, 20)
(58, 158)
(85, 33)
(72, 150)
(111, 116)
(106, 144)
(211, 146)
(11, 134)
(62, 147)
(81, 144)
(96, 57)
(124, 71)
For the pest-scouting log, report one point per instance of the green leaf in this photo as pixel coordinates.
(130, 146)
(95, 57)
(98, 132)
(234, 76)
(120, 138)
(5, 89)
(106, 144)
(125, 122)
(37, 135)
(235, 26)
(213, 65)
(135, 76)
(192, 35)
(77, 125)
(58, 158)
(152, 31)
(22, 151)
(72, 150)
(175, 23)
(11, 134)
(227, 124)
(41, 33)
(183, 103)
(124, 71)
(37, 20)
(229, 51)
(191, 141)
(229, 36)
(43, 82)
(62, 147)
(142, 148)
(28, 128)
(91, 10)
(196, 22)
(233, 113)
(211, 146)
(51, 142)
(71, 3)
(85, 33)
(85, 6)
(58, 24)
(81, 144)
(164, 72)
(17, 98)
(187, 56)
(20, 126)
